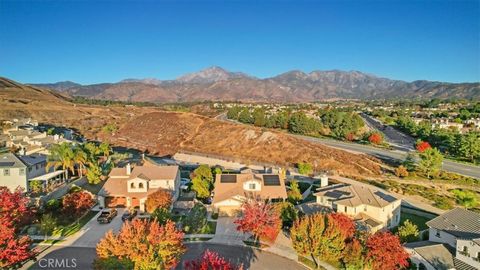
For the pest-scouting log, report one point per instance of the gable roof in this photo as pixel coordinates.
(355, 195)
(9, 160)
(458, 222)
(440, 256)
(227, 190)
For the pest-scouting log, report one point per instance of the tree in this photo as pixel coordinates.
(146, 245)
(408, 232)
(94, 172)
(343, 223)
(259, 119)
(75, 204)
(469, 146)
(375, 138)
(61, 155)
(422, 146)
(409, 162)
(202, 181)
(211, 260)
(80, 158)
(304, 168)
(47, 224)
(294, 194)
(430, 161)
(161, 215)
(159, 199)
(384, 251)
(307, 234)
(288, 213)
(353, 255)
(401, 171)
(13, 215)
(260, 219)
(36, 186)
(465, 198)
(245, 116)
(105, 149)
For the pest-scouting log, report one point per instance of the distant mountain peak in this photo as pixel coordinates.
(145, 81)
(211, 74)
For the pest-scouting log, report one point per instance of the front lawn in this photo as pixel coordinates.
(75, 226)
(415, 219)
(303, 186)
(195, 221)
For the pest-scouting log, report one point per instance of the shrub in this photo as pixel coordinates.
(375, 138)
(74, 188)
(304, 168)
(401, 171)
(75, 204)
(53, 205)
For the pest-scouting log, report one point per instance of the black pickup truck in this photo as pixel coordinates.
(107, 215)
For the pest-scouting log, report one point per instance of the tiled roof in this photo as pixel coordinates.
(33, 159)
(438, 255)
(227, 190)
(9, 160)
(458, 222)
(355, 195)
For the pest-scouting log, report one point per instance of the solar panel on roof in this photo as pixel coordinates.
(228, 178)
(271, 180)
(6, 164)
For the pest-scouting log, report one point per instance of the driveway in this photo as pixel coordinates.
(93, 231)
(226, 232)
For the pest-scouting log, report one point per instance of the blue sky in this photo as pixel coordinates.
(107, 41)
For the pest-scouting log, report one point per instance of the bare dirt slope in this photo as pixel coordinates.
(165, 133)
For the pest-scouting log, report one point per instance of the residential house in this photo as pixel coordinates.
(130, 187)
(232, 190)
(372, 209)
(454, 242)
(19, 171)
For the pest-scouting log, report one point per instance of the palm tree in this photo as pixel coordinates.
(80, 158)
(105, 149)
(61, 155)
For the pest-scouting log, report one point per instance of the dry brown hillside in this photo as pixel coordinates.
(165, 133)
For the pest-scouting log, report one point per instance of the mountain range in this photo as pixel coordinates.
(215, 83)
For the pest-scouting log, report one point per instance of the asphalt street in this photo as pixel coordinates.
(81, 258)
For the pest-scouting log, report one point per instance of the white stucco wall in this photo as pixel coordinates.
(14, 179)
(473, 252)
(443, 237)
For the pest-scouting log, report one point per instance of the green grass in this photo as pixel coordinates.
(310, 198)
(74, 226)
(415, 219)
(309, 263)
(209, 229)
(303, 186)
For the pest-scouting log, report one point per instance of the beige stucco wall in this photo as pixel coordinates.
(473, 251)
(13, 180)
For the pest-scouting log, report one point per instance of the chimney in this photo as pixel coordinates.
(22, 152)
(129, 169)
(323, 180)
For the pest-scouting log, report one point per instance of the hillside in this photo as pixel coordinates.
(164, 133)
(294, 86)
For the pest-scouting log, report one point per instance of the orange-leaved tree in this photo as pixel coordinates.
(260, 219)
(159, 199)
(211, 260)
(143, 244)
(375, 138)
(384, 251)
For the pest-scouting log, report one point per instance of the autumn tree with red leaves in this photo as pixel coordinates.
(13, 213)
(260, 219)
(384, 251)
(353, 255)
(422, 146)
(375, 138)
(211, 260)
(343, 223)
(159, 199)
(75, 204)
(146, 245)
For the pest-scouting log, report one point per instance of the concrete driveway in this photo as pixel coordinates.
(93, 231)
(226, 232)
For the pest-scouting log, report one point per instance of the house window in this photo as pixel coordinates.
(6, 172)
(132, 185)
(251, 186)
(22, 171)
(140, 185)
(437, 234)
(346, 209)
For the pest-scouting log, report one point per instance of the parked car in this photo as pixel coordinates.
(129, 215)
(107, 215)
(184, 181)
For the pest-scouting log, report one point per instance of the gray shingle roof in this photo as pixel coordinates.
(354, 195)
(9, 160)
(458, 222)
(437, 254)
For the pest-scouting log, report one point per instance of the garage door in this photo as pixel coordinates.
(228, 211)
(135, 202)
(115, 201)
